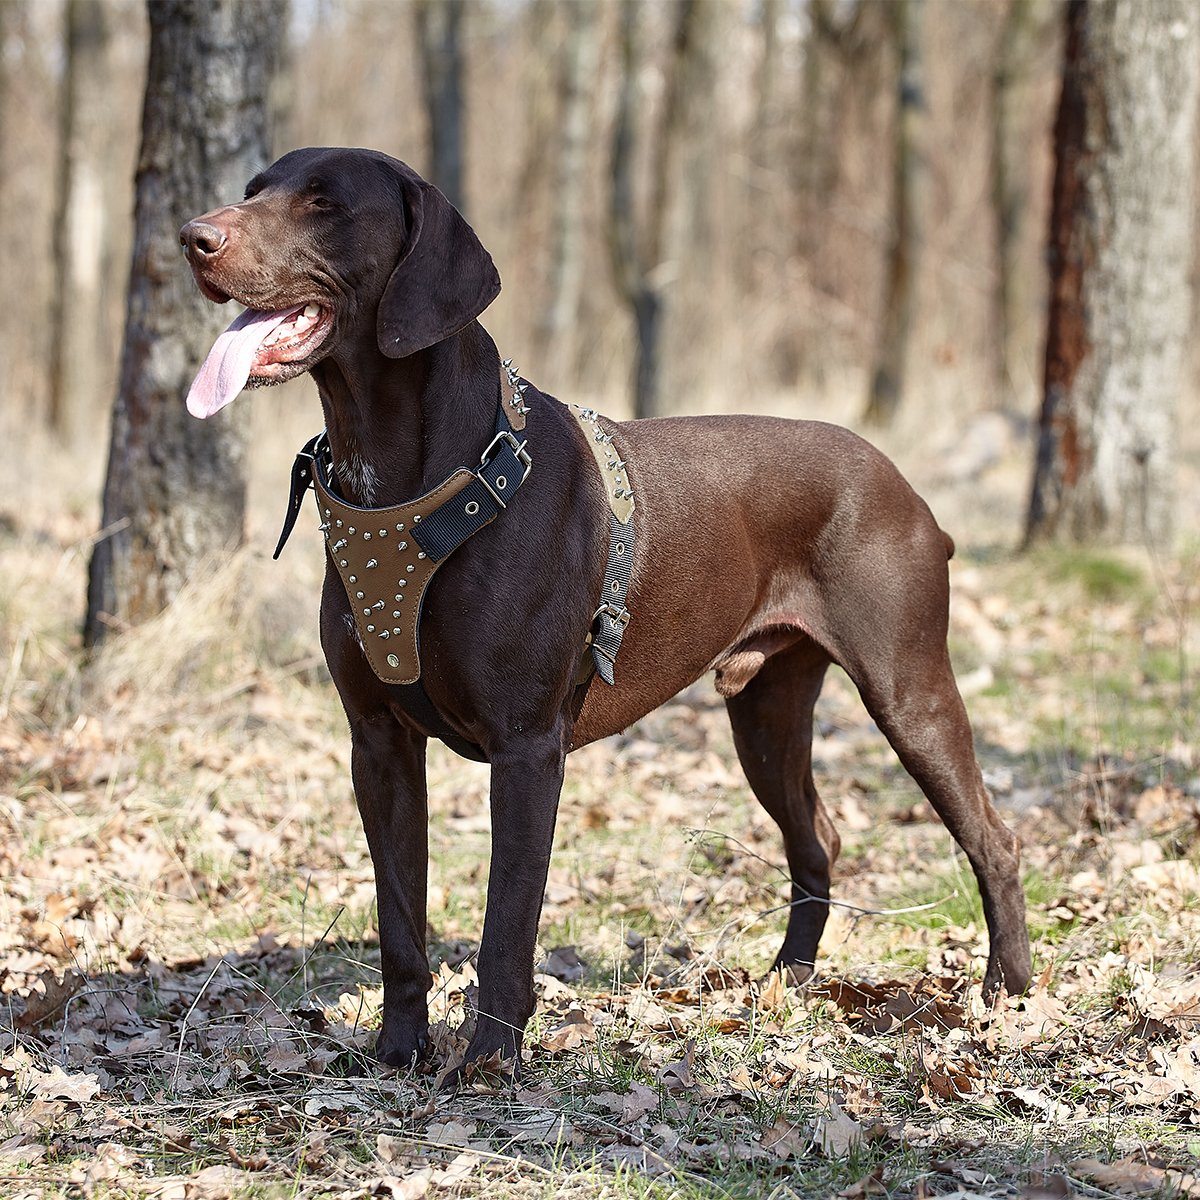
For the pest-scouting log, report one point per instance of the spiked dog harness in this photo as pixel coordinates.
(386, 557)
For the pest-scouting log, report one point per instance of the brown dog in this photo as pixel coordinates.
(765, 550)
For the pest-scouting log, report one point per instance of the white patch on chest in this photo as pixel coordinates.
(359, 476)
(353, 628)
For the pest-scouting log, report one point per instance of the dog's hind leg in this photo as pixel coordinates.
(772, 720)
(899, 661)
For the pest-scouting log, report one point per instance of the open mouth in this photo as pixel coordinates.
(258, 348)
(294, 339)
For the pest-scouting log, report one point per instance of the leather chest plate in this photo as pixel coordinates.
(385, 573)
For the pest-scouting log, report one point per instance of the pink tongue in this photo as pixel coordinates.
(228, 364)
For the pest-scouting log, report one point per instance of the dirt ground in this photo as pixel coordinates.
(189, 960)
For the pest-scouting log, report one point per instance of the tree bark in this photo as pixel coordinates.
(567, 238)
(439, 39)
(174, 495)
(1009, 188)
(76, 315)
(891, 355)
(1120, 250)
(636, 247)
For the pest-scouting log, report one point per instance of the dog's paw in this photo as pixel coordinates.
(794, 974)
(491, 1061)
(402, 1046)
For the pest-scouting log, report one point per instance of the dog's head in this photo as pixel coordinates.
(331, 247)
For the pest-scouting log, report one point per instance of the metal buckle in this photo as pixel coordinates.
(620, 616)
(519, 451)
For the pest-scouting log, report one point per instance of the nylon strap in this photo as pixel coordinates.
(612, 616)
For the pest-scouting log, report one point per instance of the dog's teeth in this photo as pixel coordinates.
(311, 312)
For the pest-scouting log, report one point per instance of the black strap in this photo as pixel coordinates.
(612, 616)
(503, 467)
(302, 478)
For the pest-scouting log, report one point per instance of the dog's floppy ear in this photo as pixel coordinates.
(443, 280)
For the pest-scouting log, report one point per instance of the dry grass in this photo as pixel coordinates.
(190, 966)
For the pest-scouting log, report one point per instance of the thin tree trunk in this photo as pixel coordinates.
(567, 238)
(174, 495)
(439, 40)
(1120, 251)
(636, 248)
(76, 316)
(1009, 187)
(891, 355)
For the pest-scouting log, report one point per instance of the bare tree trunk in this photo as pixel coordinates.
(439, 40)
(575, 87)
(1120, 251)
(76, 316)
(636, 248)
(887, 377)
(174, 495)
(1009, 187)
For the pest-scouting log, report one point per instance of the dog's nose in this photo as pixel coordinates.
(202, 241)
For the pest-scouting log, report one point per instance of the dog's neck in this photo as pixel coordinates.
(398, 427)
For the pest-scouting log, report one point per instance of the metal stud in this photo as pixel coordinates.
(370, 628)
(383, 533)
(403, 583)
(360, 595)
(408, 568)
(366, 612)
(402, 546)
(400, 527)
(417, 519)
(343, 561)
(396, 614)
(350, 530)
(399, 597)
(377, 604)
(366, 537)
(396, 632)
(353, 578)
(372, 562)
(421, 554)
(337, 523)
(393, 661)
(383, 633)
(327, 514)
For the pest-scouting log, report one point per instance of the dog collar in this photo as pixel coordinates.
(387, 556)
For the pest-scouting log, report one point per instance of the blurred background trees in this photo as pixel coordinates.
(1121, 248)
(175, 492)
(789, 205)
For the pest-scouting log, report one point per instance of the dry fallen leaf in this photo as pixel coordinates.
(786, 1139)
(835, 1131)
(56, 1084)
(218, 1183)
(1136, 1177)
(575, 1031)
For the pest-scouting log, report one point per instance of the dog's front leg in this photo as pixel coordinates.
(526, 782)
(388, 765)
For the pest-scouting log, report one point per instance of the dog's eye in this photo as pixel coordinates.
(321, 202)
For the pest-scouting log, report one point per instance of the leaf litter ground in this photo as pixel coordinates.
(189, 961)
